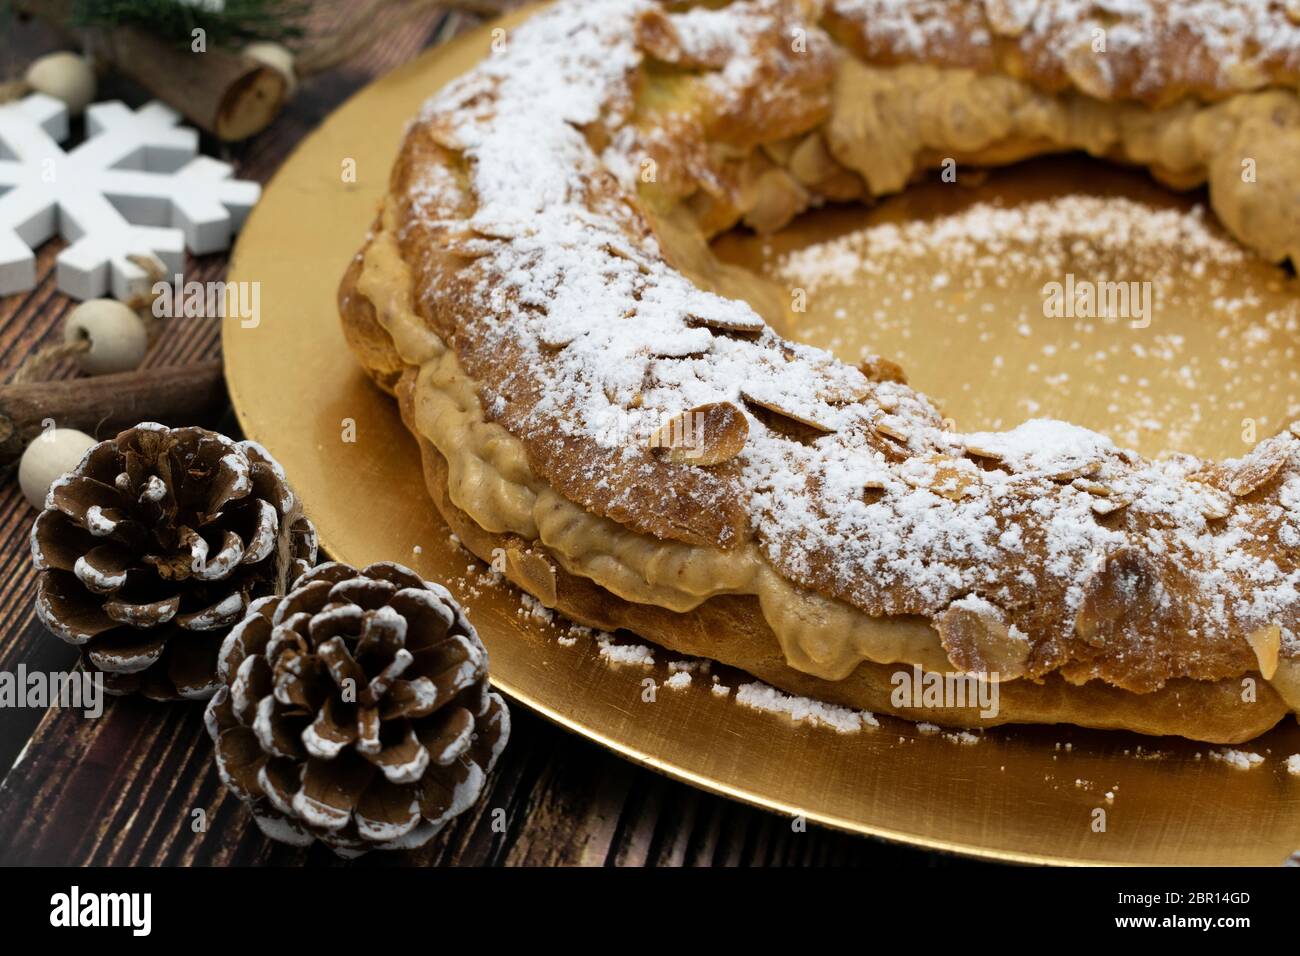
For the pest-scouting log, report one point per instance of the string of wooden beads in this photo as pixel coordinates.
(106, 337)
(52, 453)
(67, 77)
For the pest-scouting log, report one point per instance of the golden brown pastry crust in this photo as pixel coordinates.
(1139, 620)
(1156, 52)
(732, 629)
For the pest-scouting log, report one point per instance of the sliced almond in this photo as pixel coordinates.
(1106, 499)
(1246, 74)
(977, 451)
(1267, 645)
(1106, 506)
(1293, 10)
(811, 162)
(532, 572)
(706, 435)
(877, 369)
(1083, 469)
(775, 198)
(1125, 591)
(1258, 468)
(1090, 71)
(793, 367)
(977, 639)
(1010, 18)
(1070, 474)
(690, 343)
(842, 384)
(890, 427)
(779, 151)
(553, 342)
(1093, 487)
(785, 409)
(657, 35)
(1286, 681)
(735, 321)
(443, 131)
(1294, 427)
(942, 476)
(1214, 504)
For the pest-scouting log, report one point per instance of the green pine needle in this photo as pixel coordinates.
(234, 24)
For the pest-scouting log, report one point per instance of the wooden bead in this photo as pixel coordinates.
(277, 58)
(64, 76)
(52, 453)
(118, 338)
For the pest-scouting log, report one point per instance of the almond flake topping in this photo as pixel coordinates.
(569, 316)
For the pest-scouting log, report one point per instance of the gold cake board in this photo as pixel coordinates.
(1024, 794)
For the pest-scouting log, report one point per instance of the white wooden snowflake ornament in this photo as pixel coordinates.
(135, 186)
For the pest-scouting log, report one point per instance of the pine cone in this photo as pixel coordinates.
(356, 710)
(154, 545)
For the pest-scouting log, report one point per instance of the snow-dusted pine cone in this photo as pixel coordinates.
(152, 547)
(356, 710)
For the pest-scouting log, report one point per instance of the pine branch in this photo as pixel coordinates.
(229, 25)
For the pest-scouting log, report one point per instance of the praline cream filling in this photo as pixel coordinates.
(885, 124)
(490, 480)
(888, 122)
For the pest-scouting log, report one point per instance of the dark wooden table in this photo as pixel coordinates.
(123, 789)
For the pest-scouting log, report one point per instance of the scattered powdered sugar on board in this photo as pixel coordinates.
(762, 697)
(963, 737)
(530, 607)
(1237, 759)
(692, 665)
(640, 655)
(1042, 235)
(1000, 271)
(679, 680)
(1293, 765)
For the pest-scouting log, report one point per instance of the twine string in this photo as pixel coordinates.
(36, 365)
(142, 302)
(39, 362)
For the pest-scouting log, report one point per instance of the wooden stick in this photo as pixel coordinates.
(104, 405)
(228, 94)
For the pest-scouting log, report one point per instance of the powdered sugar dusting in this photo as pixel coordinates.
(804, 710)
(877, 502)
(1218, 329)
(1237, 759)
(638, 654)
(1044, 235)
(1043, 446)
(1220, 44)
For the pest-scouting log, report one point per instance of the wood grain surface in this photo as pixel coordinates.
(127, 788)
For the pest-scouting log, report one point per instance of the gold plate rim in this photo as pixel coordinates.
(247, 367)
